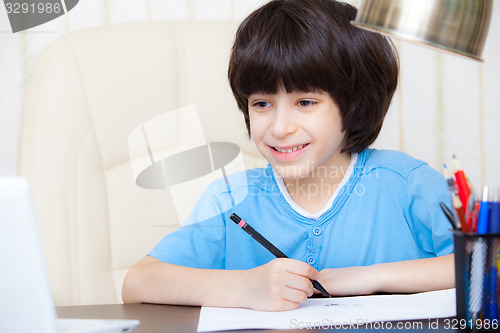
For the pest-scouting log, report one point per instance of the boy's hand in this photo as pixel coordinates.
(282, 284)
(349, 281)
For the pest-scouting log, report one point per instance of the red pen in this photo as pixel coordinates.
(456, 202)
(461, 181)
(475, 211)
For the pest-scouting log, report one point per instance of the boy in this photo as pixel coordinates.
(314, 91)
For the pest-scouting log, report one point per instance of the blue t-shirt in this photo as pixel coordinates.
(387, 210)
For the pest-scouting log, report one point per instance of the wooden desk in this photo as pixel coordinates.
(154, 318)
(184, 319)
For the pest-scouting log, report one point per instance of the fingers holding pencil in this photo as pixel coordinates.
(270, 247)
(281, 284)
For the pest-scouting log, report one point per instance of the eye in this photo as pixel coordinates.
(306, 103)
(260, 104)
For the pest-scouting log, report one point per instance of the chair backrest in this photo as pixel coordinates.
(88, 91)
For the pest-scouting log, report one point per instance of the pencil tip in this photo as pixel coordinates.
(456, 165)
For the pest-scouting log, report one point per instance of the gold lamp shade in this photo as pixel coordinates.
(457, 26)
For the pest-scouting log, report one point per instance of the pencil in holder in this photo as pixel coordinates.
(477, 263)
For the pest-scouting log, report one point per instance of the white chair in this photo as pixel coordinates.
(86, 94)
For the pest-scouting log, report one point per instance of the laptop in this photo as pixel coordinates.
(26, 303)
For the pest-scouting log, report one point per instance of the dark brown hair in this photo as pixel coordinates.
(310, 45)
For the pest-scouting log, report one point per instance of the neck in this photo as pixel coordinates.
(313, 191)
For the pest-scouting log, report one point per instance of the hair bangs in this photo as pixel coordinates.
(282, 59)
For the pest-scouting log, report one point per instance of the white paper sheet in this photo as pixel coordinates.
(345, 312)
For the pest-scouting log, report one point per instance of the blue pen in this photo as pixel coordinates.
(493, 300)
(494, 219)
(484, 212)
(490, 302)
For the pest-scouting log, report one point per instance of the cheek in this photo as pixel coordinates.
(256, 127)
(253, 131)
(340, 137)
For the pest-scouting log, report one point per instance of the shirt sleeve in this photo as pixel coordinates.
(431, 230)
(200, 242)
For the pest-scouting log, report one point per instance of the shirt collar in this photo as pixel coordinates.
(302, 211)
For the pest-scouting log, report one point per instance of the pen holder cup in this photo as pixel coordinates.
(477, 264)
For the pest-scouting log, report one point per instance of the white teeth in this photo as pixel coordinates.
(289, 150)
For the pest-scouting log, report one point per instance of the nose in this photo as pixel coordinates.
(284, 122)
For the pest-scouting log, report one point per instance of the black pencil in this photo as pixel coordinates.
(273, 249)
(449, 215)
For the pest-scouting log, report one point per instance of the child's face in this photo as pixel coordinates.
(297, 132)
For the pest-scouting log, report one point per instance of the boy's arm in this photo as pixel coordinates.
(281, 284)
(409, 276)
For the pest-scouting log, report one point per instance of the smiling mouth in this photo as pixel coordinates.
(290, 149)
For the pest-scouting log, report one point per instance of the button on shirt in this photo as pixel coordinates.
(317, 231)
(311, 260)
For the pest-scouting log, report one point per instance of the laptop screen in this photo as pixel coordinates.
(26, 304)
